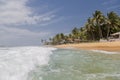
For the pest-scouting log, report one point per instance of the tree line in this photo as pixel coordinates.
(97, 27)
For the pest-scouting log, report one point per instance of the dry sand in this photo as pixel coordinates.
(107, 46)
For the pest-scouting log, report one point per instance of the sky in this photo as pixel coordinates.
(26, 22)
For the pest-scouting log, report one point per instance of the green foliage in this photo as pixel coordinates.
(98, 26)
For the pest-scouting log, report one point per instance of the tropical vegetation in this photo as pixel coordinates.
(97, 27)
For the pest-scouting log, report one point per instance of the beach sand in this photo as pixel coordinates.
(106, 46)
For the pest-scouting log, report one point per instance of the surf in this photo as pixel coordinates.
(17, 62)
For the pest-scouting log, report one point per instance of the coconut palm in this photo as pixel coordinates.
(96, 28)
(75, 32)
(112, 22)
(98, 19)
(90, 27)
(62, 36)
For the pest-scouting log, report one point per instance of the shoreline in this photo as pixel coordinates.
(105, 46)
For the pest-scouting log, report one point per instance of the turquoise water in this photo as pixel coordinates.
(66, 64)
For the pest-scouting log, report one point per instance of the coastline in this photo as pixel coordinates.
(105, 46)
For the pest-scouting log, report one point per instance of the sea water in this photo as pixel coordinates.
(45, 63)
(17, 62)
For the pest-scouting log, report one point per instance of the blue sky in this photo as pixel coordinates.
(26, 22)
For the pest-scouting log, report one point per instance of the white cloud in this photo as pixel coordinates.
(113, 7)
(21, 32)
(53, 21)
(16, 36)
(17, 12)
(109, 2)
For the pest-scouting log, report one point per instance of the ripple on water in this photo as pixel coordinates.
(79, 65)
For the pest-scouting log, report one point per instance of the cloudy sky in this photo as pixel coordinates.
(26, 22)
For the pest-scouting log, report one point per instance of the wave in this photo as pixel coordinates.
(105, 52)
(17, 62)
(102, 75)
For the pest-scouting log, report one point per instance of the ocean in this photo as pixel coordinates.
(47, 63)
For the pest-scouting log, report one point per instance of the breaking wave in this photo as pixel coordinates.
(17, 62)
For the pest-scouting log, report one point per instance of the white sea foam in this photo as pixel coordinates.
(101, 75)
(105, 52)
(17, 62)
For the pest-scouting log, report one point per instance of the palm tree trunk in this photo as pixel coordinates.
(92, 35)
(100, 32)
(108, 31)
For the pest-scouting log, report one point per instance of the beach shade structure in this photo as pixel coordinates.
(115, 36)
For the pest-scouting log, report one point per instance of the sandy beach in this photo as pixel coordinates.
(106, 46)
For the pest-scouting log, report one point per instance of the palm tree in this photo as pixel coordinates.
(95, 29)
(75, 32)
(70, 36)
(83, 33)
(98, 19)
(62, 36)
(112, 22)
(90, 27)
